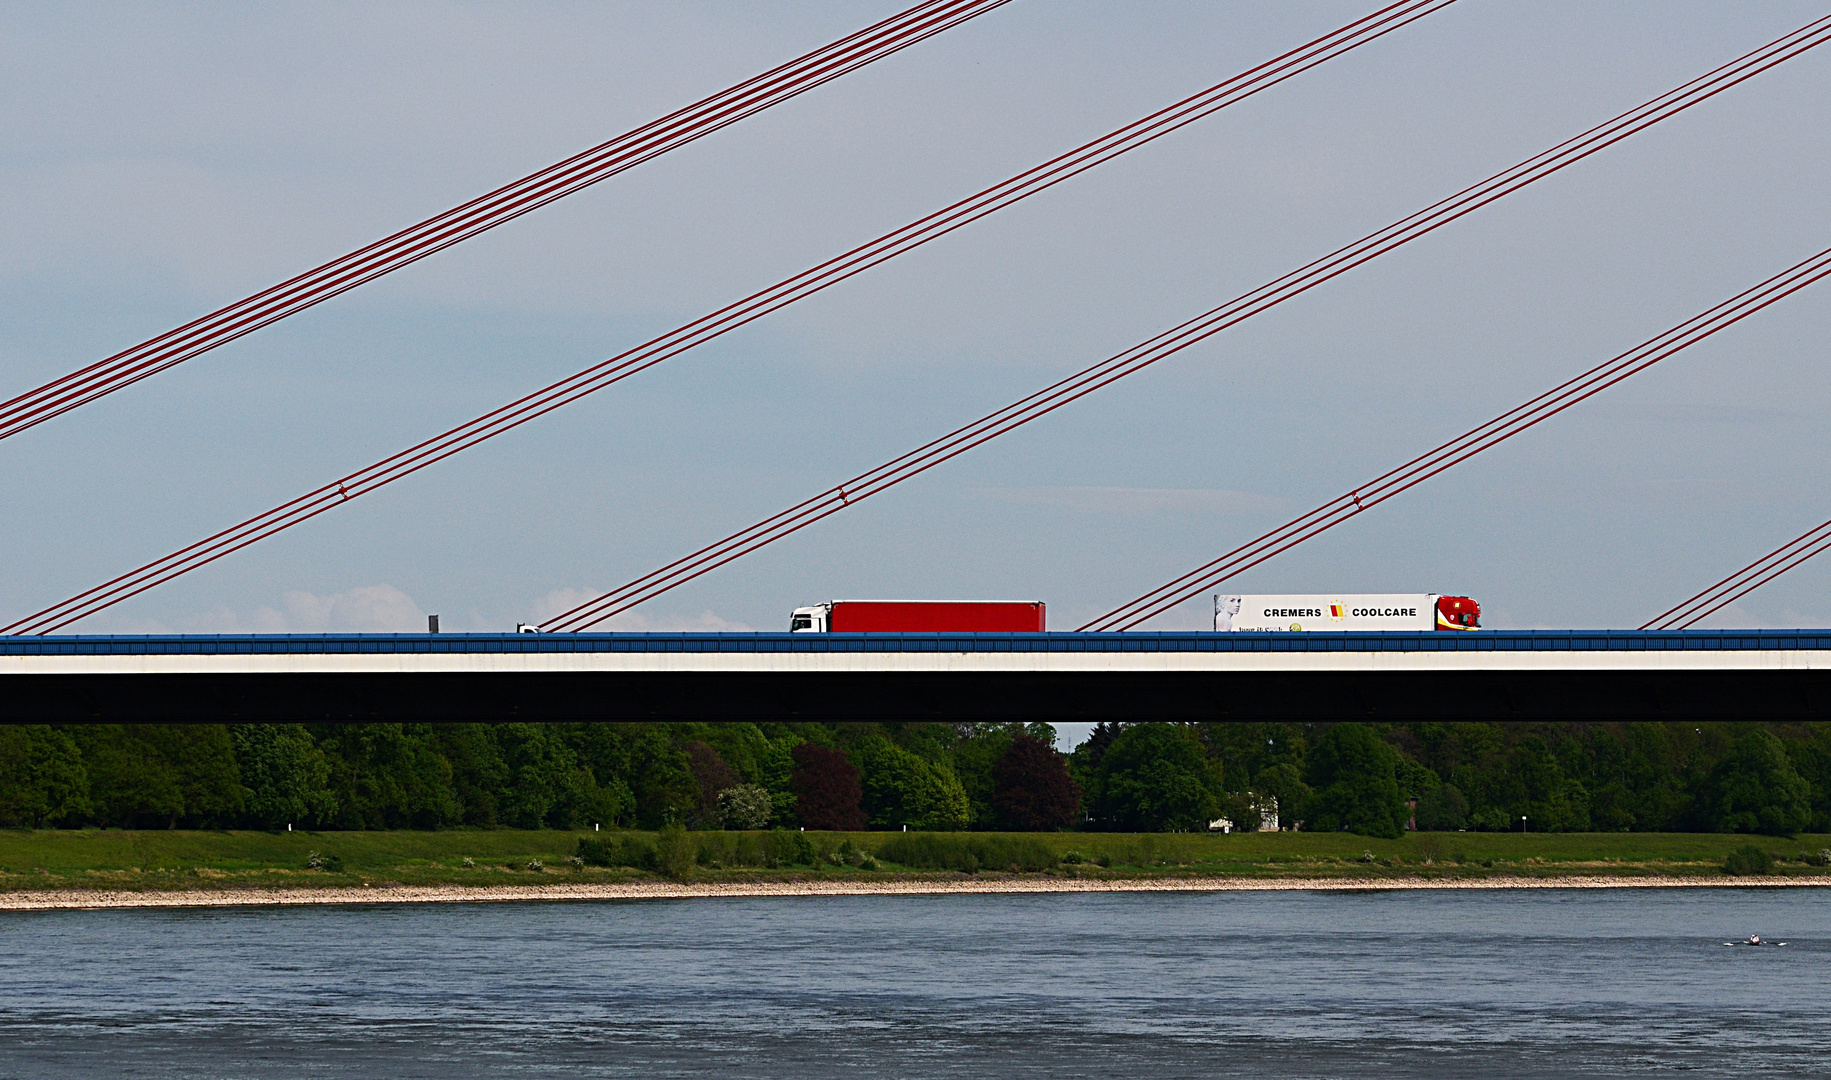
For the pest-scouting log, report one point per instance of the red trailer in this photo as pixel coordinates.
(915, 616)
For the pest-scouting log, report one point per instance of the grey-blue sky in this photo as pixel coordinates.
(162, 160)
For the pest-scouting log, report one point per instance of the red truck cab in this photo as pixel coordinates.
(1458, 613)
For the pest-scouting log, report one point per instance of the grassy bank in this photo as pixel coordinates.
(115, 859)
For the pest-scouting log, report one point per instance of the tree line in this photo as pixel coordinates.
(1377, 779)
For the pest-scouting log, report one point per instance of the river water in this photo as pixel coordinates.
(1363, 984)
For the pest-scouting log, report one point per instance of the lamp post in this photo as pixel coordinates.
(1522, 824)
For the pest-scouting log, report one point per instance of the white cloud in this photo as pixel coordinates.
(560, 601)
(368, 609)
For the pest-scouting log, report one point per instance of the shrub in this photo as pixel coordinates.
(1073, 858)
(328, 863)
(1748, 860)
(787, 847)
(848, 855)
(676, 852)
(627, 851)
(952, 851)
(746, 806)
(536, 864)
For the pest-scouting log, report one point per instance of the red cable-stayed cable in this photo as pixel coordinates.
(1465, 446)
(485, 212)
(1744, 581)
(730, 317)
(1146, 353)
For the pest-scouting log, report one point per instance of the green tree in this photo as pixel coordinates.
(974, 757)
(546, 784)
(1754, 788)
(1154, 777)
(903, 788)
(161, 774)
(479, 775)
(42, 778)
(287, 777)
(1354, 774)
(1442, 809)
(1283, 782)
(389, 776)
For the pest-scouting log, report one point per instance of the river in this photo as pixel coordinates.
(1362, 984)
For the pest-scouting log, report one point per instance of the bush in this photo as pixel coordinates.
(952, 851)
(1073, 858)
(626, 851)
(1822, 858)
(847, 855)
(676, 852)
(746, 806)
(329, 863)
(787, 847)
(1748, 860)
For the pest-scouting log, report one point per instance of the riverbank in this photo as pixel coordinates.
(94, 867)
(64, 899)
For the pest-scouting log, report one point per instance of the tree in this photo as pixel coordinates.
(1754, 788)
(285, 773)
(746, 806)
(1283, 782)
(711, 775)
(161, 774)
(827, 787)
(42, 779)
(974, 756)
(1442, 809)
(902, 788)
(389, 776)
(1032, 790)
(546, 783)
(1354, 774)
(1154, 777)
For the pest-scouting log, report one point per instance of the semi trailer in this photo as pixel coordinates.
(1337, 611)
(916, 616)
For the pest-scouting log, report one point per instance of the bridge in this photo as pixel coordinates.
(1660, 671)
(1488, 675)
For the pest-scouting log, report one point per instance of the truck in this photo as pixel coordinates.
(915, 616)
(1346, 611)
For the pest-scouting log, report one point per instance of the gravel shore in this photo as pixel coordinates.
(55, 899)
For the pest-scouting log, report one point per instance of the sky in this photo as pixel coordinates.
(161, 160)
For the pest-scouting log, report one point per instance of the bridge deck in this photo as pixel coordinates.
(1567, 674)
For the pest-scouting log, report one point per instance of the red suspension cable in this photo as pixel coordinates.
(486, 212)
(1744, 581)
(1465, 446)
(1137, 358)
(730, 317)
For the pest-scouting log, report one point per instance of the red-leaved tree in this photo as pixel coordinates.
(828, 789)
(1031, 788)
(713, 776)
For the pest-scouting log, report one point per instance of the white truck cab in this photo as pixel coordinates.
(810, 620)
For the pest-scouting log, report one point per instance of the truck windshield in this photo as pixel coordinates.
(800, 622)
